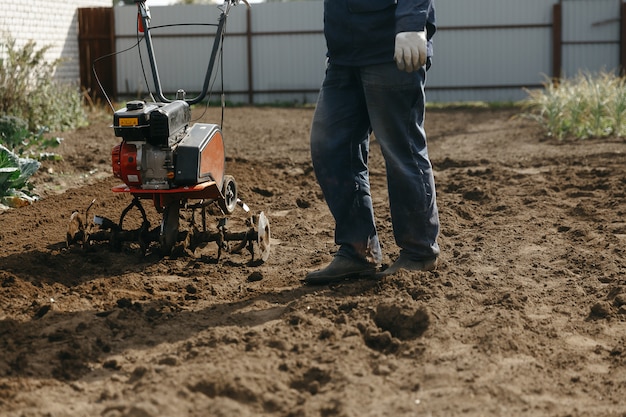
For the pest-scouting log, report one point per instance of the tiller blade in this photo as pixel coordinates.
(168, 235)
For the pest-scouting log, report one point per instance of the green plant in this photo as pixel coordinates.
(29, 91)
(14, 134)
(19, 159)
(15, 173)
(586, 106)
(13, 131)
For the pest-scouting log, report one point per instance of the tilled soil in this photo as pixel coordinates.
(526, 314)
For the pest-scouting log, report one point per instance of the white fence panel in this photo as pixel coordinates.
(485, 50)
(293, 59)
(591, 33)
(489, 50)
(182, 52)
(456, 13)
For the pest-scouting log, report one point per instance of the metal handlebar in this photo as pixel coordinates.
(234, 2)
(144, 15)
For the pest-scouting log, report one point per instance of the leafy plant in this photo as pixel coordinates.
(13, 131)
(19, 159)
(586, 106)
(14, 134)
(15, 173)
(29, 91)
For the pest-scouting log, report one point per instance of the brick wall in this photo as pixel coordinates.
(47, 22)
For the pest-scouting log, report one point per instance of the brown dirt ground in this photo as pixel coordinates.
(526, 314)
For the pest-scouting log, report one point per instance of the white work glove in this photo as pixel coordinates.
(410, 52)
(236, 3)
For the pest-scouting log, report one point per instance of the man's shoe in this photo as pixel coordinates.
(340, 268)
(405, 263)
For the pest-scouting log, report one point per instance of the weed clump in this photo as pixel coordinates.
(29, 91)
(32, 103)
(586, 106)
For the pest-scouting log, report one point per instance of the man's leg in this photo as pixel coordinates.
(339, 151)
(396, 103)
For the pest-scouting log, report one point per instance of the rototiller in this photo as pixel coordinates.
(176, 165)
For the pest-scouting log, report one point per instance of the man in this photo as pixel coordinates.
(378, 54)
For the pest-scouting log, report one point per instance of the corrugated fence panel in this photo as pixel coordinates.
(455, 13)
(288, 61)
(288, 64)
(489, 57)
(182, 52)
(489, 50)
(591, 33)
(590, 58)
(585, 21)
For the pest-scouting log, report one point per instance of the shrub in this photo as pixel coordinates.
(13, 131)
(14, 175)
(31, 104)
(29, 91)
(14, 134)
(586, 106)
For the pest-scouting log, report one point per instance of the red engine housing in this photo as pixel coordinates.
(124, 164)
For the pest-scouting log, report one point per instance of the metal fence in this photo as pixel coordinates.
(485, 50)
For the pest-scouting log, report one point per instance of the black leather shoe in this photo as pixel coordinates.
(408, 264)
(340, 268)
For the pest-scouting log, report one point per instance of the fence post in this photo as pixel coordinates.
(557, 40)
(249, 47)
(622, 40)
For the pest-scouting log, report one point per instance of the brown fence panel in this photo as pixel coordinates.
(96, 43)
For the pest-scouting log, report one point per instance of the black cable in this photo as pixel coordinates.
(95, 73)
(143, 69)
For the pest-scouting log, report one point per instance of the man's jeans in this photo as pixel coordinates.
(353, 102)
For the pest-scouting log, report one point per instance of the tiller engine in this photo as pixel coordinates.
(161, 157)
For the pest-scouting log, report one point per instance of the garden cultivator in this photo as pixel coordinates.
(178, 167)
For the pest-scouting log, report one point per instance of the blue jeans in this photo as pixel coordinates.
(353, 102)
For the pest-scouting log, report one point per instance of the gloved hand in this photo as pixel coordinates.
(236, 3)
(410, 52)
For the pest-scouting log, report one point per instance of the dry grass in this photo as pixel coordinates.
(585, 106)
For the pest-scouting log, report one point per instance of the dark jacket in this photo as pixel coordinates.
(363, 32)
